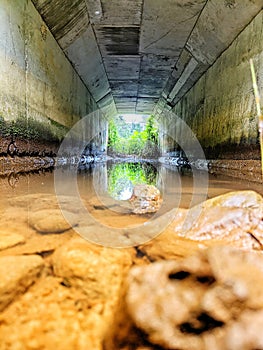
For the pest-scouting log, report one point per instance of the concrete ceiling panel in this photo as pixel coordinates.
(127, 87)
(153, 74)
(145, 105)
(125, 12)
(166, 25)
(85, 56)
(66, 19)
(122, 68)
(177, 71)
(118, 40)
(125, 104)
(151, 87)
(107, 106)
(218, 25)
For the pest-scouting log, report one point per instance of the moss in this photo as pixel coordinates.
(31, 129)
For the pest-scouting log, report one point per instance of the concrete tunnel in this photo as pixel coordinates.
(188, 271)
(62, 60)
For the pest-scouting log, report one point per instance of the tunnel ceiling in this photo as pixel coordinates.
(140, 56)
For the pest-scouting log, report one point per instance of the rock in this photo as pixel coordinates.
(95, 270)
(167, 245)
(246, 334)
(235, 217)
(51, 221)
(17, 273)
(145, 199)
(199, 301)
(8, 240)
(51, 316)
(42, 201)
(38, 244)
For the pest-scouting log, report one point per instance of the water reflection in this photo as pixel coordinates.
(122, 177)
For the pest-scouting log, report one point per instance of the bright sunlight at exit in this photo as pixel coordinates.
(133, 135)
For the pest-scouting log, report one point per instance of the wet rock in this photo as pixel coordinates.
(145, 199)
(51, 316)
(51, 221)
(167, 245)
(8, 240)
(95, 270)
(235, 217)
(44, 201)
(17, 273)
(39, 244)
(199, 301)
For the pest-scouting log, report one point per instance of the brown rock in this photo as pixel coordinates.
(196, 302)
(51, 316)
(51, 221)
(38, 244)
(17, 273)
(145, 199)
(167, 245)
(8, 240)
(95, 270)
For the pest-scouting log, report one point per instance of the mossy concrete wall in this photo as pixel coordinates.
(38, 85)
(220, 108)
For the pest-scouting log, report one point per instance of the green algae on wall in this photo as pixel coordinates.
(220, 108)
(41, 95)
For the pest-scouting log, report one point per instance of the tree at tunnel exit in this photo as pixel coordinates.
(142, 141)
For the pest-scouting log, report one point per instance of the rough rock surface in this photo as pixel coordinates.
(8, 240)
(145, 199)
(97, 271)
(199, 302)
(78, 298)
(17, 273)
(51, 316)
(51, 221)
(235, 217)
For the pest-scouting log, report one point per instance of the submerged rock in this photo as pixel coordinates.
(51, 221)
(145, 199)
(201, 303)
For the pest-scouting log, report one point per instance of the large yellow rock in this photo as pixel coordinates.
(51, 316)
(97, 271)
(17, 273)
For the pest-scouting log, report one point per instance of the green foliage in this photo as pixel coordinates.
(143, 143)
(31, 129)
(113, 137)
(124, 176)
(151, 130)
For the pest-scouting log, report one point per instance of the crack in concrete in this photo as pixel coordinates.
(170, 30)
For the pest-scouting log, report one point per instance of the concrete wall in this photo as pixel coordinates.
(220, 108)
(37, 81)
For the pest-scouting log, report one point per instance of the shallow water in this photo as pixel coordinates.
(112, 183)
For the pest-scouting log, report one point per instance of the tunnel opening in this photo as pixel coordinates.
(133, 135)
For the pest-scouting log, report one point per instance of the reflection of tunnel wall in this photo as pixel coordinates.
(38, 85)
(220, 108)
